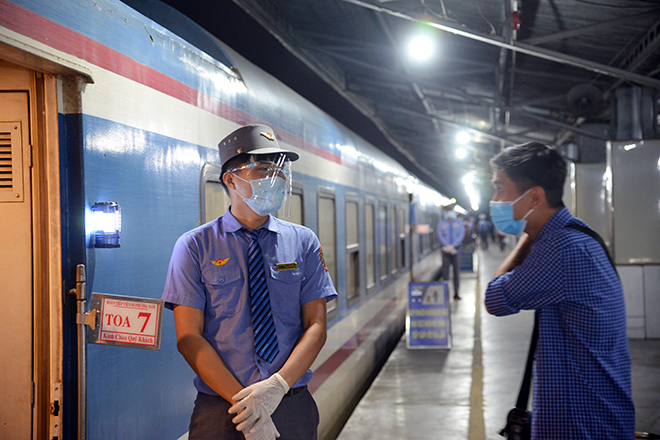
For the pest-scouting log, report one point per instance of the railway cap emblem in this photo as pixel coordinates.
(269, 136)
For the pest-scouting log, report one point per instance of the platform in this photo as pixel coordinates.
(465, 392)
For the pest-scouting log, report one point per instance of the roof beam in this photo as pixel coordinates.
(518, 46)
(570, 33)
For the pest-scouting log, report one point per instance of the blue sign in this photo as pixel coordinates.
(427, 321)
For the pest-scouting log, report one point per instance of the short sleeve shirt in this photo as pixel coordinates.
(582, 384)
(208, 271)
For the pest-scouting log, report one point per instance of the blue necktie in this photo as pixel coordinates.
(265, 337)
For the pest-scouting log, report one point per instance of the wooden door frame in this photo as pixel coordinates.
(49, 291)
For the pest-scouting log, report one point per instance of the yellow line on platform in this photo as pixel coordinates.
(477, 430)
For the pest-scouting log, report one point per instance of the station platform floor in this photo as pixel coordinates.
(465, 392)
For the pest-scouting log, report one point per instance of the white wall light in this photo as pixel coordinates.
(106, 224)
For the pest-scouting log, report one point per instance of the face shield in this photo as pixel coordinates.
(270, 178)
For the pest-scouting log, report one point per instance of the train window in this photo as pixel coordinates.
(392, 228)
(370, 243)
(328, 237)
(214, 198)
(382, 241)
(401, 238)
(352, 250)
(295, 209)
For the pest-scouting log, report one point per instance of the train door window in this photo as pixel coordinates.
(382, 241)
(370, 243)
(328, 237)
(402, 238)
(352, 249)
(294, 211)
(214, 198)
(392, 229)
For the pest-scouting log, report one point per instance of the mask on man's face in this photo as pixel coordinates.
(268, 194)
(501, 213)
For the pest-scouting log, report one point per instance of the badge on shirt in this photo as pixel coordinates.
(322, 260)
(220, 261)
(286, 266)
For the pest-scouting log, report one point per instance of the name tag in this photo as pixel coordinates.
(286, 266)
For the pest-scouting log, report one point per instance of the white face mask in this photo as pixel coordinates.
(268, 194)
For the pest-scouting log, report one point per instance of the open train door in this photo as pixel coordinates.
(30, 255)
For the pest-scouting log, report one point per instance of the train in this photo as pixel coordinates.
(104, 108)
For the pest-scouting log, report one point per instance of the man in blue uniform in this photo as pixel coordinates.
(249, 296)
(582, 370)
(451, 232)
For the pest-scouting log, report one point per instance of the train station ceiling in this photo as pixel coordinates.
(505, 71)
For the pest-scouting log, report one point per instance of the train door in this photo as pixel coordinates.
(29, 230)
(16, 266)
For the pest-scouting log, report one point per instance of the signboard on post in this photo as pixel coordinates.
(427, 320)
(127, 321)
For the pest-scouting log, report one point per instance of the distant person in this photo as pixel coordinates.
(484, 227)
(249, 295)
(501, 236)
(582, 363)
(470, 236)
(451, 232)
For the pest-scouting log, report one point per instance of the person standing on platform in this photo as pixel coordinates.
(451, 232)
(483, 230)
(249, 296)
(582, 386)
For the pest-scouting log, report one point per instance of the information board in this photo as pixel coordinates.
(127, 321)
(428, 320)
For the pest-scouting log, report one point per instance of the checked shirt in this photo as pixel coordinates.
(582, 363)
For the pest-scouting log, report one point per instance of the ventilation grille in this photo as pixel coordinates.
(6, 162)
(11, 162)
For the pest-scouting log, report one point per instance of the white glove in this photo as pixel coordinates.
(263, 430)
(451, 249)
(255, 404)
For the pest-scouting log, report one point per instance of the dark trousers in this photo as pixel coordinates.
(296, 418)
(451, 260)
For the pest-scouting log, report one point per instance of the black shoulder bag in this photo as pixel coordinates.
(519, 420)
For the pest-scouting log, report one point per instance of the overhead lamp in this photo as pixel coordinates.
(462, 137)
(106, 224)
(461, 152)
(421, 47)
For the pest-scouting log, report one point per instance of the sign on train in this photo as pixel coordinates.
(127, 321)
(427, 319)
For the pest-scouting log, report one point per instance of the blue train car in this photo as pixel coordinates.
(101, 104)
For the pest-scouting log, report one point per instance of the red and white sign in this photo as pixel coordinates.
(128, 321)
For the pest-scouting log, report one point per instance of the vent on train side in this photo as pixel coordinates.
(11, 162)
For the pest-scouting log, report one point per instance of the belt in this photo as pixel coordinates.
(294, 391)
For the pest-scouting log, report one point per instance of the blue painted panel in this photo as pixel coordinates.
(155, 180)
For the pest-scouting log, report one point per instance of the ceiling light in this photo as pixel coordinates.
(421, 48)
(462, 137)
(461, 152)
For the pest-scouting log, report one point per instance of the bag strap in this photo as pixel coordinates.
(593, 234)
(523, 395)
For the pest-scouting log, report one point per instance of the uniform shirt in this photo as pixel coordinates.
(582, 370)
(208, 271)
(451, 232)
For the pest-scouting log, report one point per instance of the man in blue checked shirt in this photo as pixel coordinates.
(582, 363)
(249, 295)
